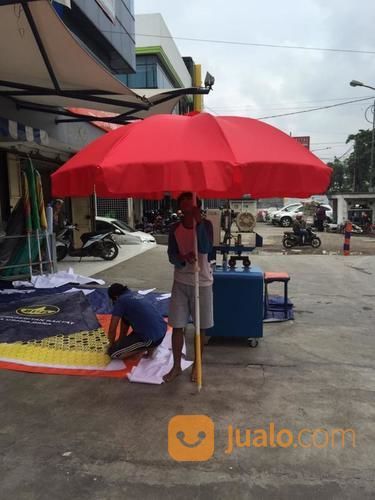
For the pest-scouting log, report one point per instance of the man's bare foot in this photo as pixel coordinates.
(175, 372)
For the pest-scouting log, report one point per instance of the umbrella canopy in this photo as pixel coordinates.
(214, 156)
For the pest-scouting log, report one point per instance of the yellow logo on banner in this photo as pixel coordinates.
(39, 310)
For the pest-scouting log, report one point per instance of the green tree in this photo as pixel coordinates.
(340, 180)
(359, 161)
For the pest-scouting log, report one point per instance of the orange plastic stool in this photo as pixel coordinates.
(272, 278)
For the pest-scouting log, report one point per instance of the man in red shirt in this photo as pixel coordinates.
(182, 255)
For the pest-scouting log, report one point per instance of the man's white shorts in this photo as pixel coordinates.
(182, 306)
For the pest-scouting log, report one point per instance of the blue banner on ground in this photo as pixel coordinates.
(42, 316)
(98, 299)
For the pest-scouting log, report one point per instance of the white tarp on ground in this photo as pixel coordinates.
(151, 371)
(58, 279)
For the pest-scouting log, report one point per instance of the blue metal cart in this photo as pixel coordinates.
(238, 303)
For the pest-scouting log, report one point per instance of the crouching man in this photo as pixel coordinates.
(133, 310)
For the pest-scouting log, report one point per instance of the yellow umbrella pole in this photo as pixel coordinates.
(197, 339)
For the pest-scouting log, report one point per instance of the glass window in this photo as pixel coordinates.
(149, 75)
(123, 225)
(292, 208)
(163, 81)
(101, 225)
(144, 78)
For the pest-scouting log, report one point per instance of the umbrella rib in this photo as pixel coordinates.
(234, 162)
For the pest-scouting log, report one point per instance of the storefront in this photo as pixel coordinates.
(47, 144)
(353, 206)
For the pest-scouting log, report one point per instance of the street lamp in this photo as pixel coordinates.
(356, 83)
(209, 80)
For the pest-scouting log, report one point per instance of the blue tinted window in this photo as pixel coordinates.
(163, 81)
(144, 78)
(150, 74)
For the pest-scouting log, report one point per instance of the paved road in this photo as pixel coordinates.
(332, 243)
(71, 437)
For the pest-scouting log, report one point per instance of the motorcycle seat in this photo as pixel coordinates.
(86, 236)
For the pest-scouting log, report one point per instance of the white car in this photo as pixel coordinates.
(283, 217)
(122, 233)
(269, 215)
(287, 215)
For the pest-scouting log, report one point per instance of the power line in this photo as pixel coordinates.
(338, 157)
(292, 105)
(248, 109)
(314, 109)
(306, 110)
(320, 149)
(346, 152)
(329, 147)
(322, 143)
(254, 44)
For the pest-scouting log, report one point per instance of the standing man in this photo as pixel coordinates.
(133, 310)
(320, 217)
(58, 215)
(182, 255)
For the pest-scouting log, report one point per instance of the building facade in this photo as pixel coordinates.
(160, 65)
(106, 29)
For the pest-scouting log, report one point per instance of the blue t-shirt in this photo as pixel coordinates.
(143, 315)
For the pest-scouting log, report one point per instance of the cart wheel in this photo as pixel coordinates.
(232, 262)
(246, 262)
(252, 343)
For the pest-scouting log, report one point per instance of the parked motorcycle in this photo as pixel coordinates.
(291, 240)
(93, 244)
(340, 228)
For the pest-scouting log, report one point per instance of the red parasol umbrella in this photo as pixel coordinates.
(211, 156)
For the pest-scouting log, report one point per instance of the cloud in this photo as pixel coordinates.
(255, 81)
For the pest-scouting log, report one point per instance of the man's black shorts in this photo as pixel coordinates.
(131, 343)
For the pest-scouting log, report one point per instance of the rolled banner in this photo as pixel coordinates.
(49, 218)
(26, 203)
(40, 199)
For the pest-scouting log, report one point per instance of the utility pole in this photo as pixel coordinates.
(356, 83)
(372, 168)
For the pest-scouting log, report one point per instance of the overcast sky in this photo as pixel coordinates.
(259, 81)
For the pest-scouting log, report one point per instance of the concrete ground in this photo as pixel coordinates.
(86, 438)
(87, 266)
